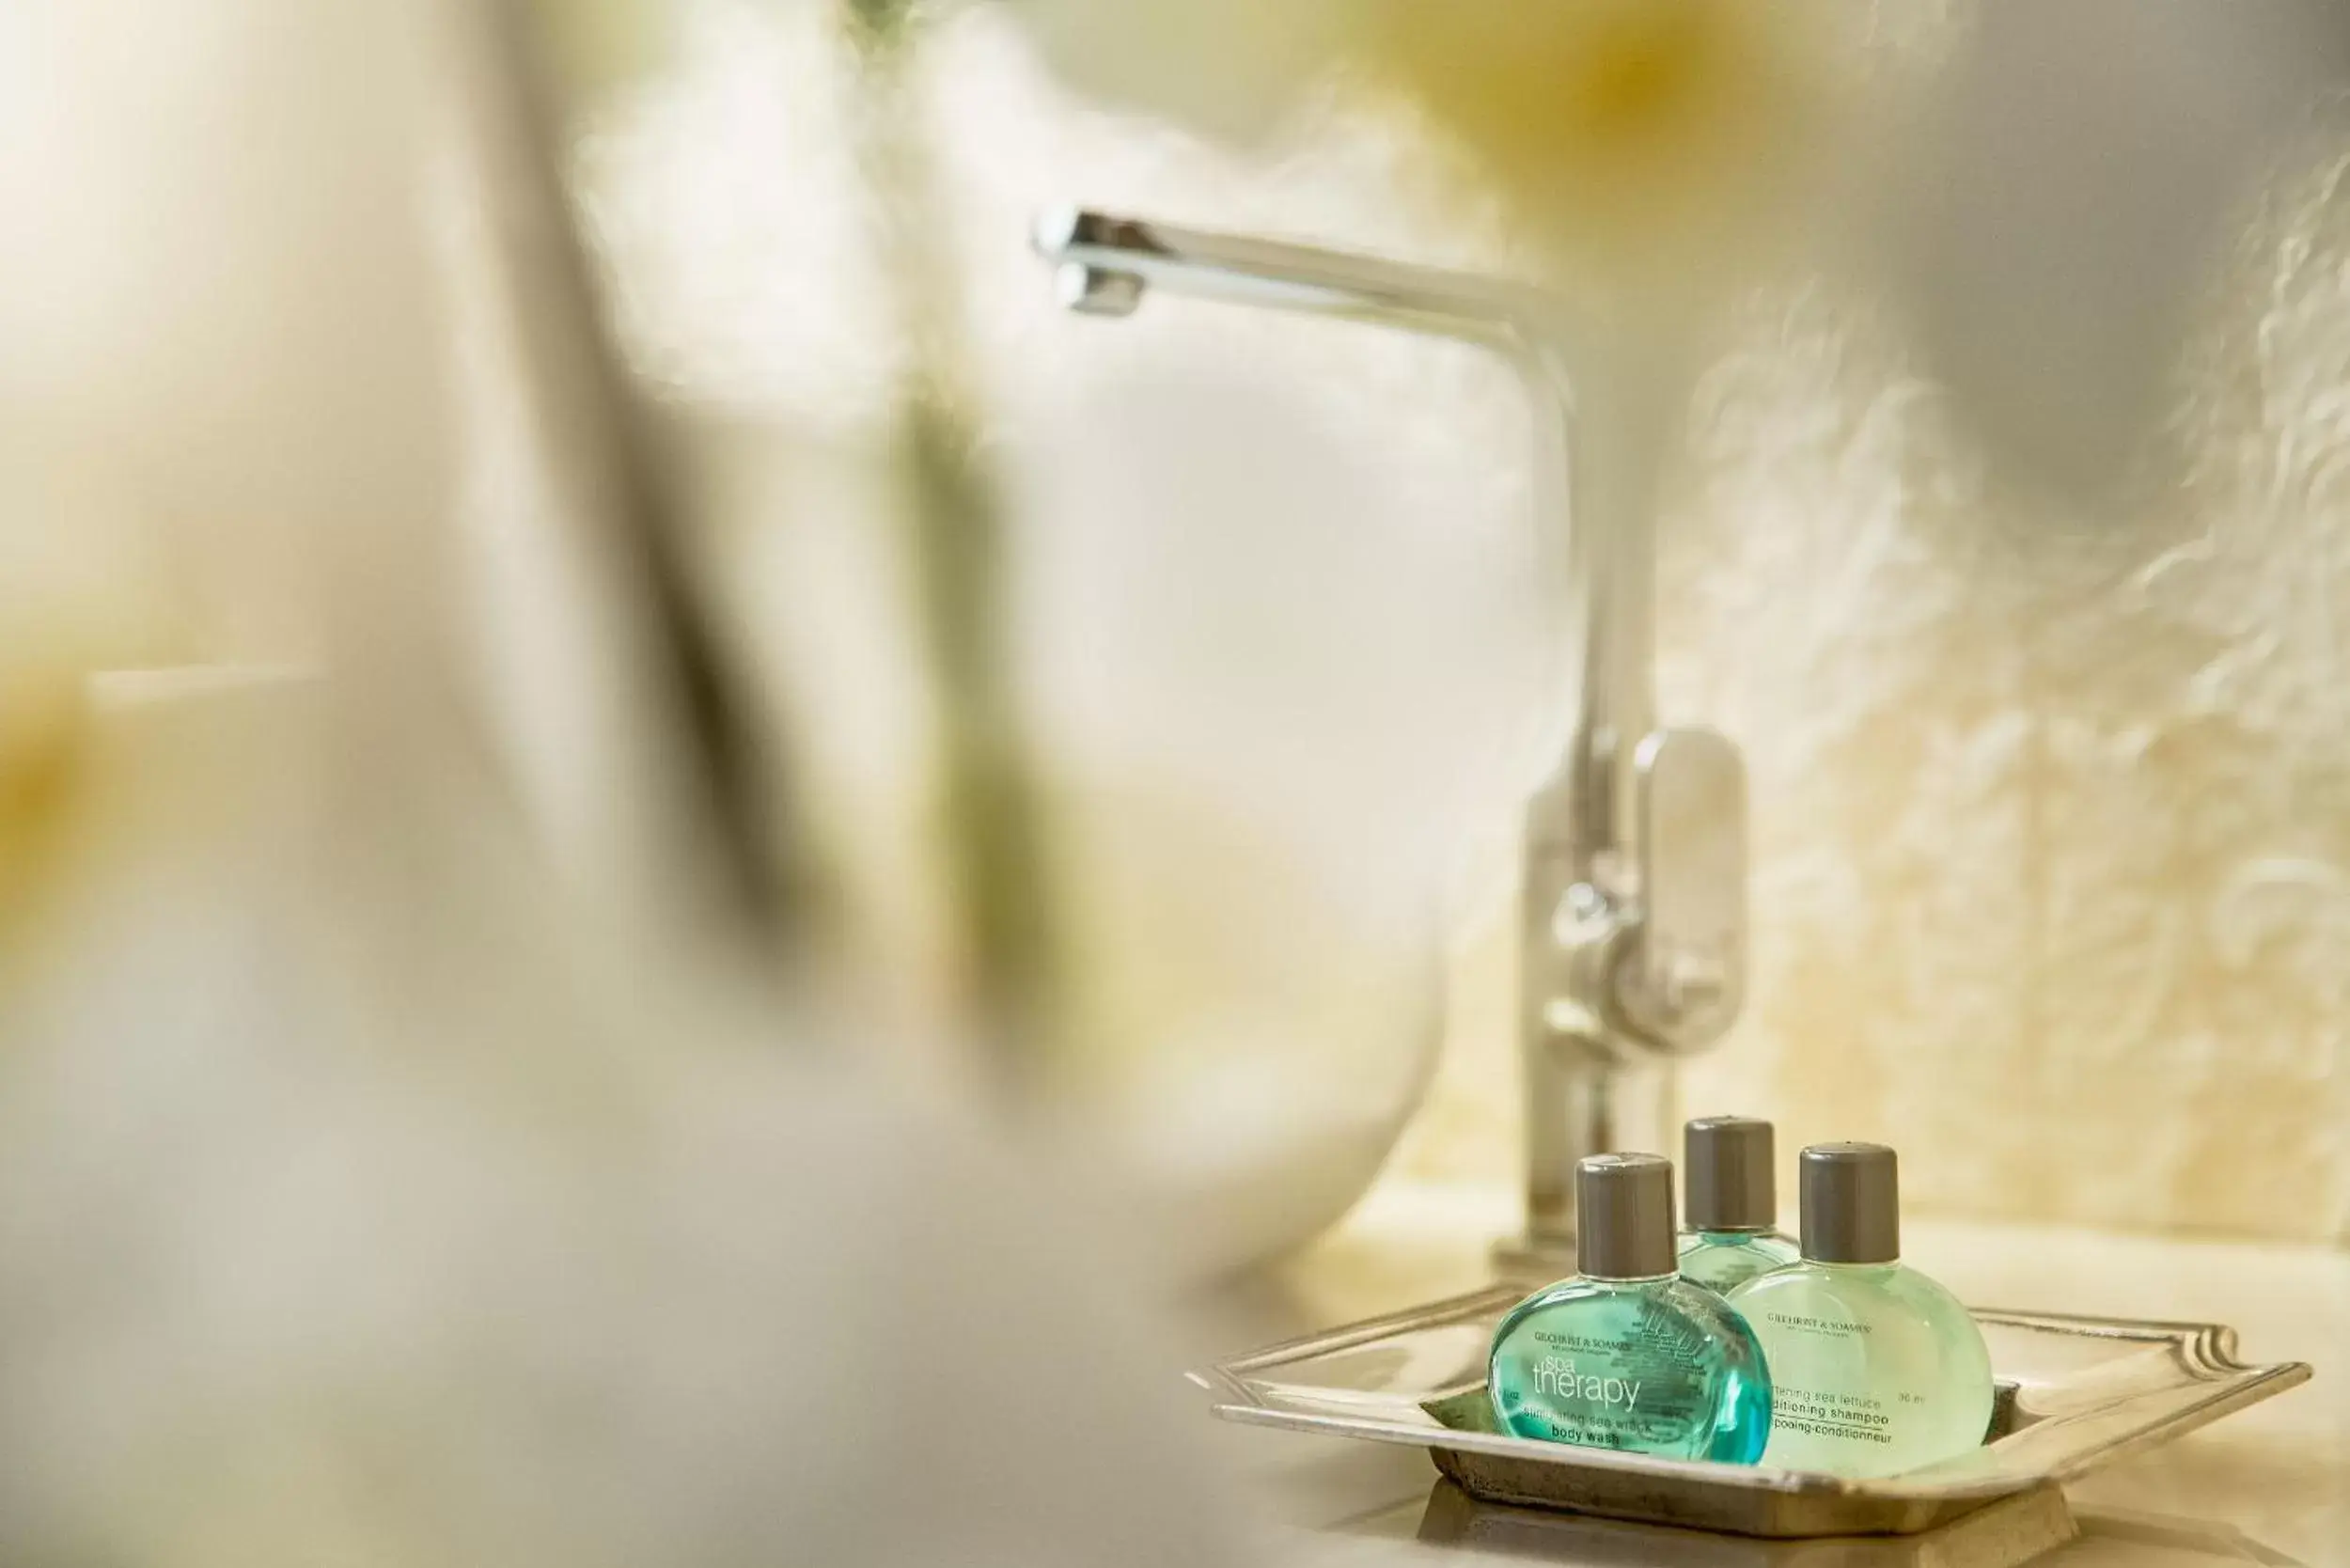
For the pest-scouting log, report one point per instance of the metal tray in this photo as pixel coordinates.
(2074, 1393)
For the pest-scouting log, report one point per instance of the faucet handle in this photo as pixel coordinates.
(1684, 977)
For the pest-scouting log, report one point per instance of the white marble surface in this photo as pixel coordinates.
(2271, 1484)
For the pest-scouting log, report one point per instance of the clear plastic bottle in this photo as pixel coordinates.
(1731, 1209)
(1875, 1369)
(1628, 1355)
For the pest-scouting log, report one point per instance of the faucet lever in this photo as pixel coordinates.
(1684, 977)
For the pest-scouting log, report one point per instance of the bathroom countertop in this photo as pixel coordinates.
(2271, 1484)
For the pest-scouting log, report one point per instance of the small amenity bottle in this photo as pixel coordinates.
(1874, 1368)
(1730, 1214)
(1628, 1355)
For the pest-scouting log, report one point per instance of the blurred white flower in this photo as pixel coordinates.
(374, 1188)
(344, 1224)
(2058, 211)
(50, 789)
(2051, 214)
(593, 46)
(1650, 148)
(1230, 67)
(1653, 149)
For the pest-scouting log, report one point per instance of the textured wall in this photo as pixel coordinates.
(2052, 817)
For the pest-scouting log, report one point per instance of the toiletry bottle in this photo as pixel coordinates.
(1628, 1355)
(1874, 1368)
(1730, 1212)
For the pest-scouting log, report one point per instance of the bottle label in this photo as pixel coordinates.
(1557, 1377)
(1852, 1417)
(1834, 1413)
(1641, 1387)
(1872, 1373)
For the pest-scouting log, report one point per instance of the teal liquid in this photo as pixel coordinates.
(1724, 1260)
(1875, 1368)
(1644, 1366)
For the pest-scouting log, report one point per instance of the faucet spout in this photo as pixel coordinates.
(1632, 923)
(1242, 270)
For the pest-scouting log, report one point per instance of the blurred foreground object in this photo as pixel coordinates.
(592, 47)
(2059, 210)
(1655, 153)
(1154, 768)
(2054, 212)
(393, 1168)
(50, 814)
(988, 815)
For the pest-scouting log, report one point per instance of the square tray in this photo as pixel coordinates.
(2074, 1393)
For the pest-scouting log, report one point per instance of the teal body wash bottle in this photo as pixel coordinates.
(1628, 1355)
(1874, 1368)
(1730, 1214)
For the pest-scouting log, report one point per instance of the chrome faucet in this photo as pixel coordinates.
(1632, 928)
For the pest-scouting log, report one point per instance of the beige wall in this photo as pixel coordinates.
(2052, 816)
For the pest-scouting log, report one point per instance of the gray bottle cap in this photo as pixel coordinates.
(1727, 1164)
(1852, 1203)
(1623, 1216)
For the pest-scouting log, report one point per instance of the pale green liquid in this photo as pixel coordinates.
(1874, 1368)
(1724, 1260)
(1649, 1365)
